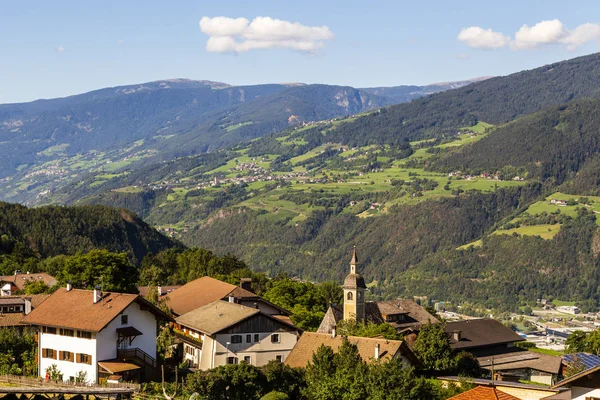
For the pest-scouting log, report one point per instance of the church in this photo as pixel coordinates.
(402, 314)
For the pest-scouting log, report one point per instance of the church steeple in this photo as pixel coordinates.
(354, 292)
(353, 262)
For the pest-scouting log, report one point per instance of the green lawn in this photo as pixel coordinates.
(544, 231)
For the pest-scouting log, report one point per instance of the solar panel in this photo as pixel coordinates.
(588, 360)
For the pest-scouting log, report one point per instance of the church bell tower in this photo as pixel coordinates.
(354, 293)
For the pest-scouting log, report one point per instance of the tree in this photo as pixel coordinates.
(576, 342)
(320, 384)
(367, 329)
(229, 382)
(19, 352)
(390, 381)
(36, 287)
(433, 348)
(111, 271)
(574, 367)
(282, 378)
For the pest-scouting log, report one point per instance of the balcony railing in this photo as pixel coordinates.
(137, 353)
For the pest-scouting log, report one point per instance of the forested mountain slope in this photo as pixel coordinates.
(496, 100)
(51, 231)
(551, 144)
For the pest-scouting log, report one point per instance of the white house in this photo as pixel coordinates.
(224, 332)
(9, 284)
(91, 335)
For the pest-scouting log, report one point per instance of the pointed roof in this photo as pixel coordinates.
(484, 393)
(354, 260)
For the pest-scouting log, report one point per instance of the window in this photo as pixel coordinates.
(256, 338)
(84, 359)
(84, 334)
(49, 353)
(279, 358)
(247, 360)
(50, 330)
(124, 319)
(275, 338)
(248, 338)
(350, 296)
(67, 332)
(65, 356)
(232, 360)
(236, 338)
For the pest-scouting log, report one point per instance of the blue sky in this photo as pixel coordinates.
(58, 48)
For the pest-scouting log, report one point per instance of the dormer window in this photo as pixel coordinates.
(124, 319)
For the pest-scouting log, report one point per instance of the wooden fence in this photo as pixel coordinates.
(40, 382)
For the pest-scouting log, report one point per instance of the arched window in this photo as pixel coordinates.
(350, 297)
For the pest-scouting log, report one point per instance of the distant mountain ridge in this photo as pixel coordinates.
(48, 142)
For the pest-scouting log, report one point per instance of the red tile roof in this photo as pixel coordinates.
(76, 309)
(202, 291)
(484, 393)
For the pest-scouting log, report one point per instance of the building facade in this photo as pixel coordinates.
(224, 332)
(88, 335)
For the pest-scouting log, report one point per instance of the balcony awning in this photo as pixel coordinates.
(116, 366)
(128, 332)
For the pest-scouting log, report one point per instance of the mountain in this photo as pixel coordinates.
(406, 93)
(50, 231)
(495, 101)
(45, 143)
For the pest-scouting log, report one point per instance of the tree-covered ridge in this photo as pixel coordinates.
(51, 230)
(496, 100)
(553, 144)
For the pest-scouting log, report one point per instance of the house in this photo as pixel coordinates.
(494, 346)
(370, 349)
(561, 203)
(402, 314)
(95, 334)
(481, 337)
(14, 308)
(225, 332)
(584, 385)
(522, 391)
(205, 290)
(9, 284)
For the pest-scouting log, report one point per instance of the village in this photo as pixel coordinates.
(95, 337)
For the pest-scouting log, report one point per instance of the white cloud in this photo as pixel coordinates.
(530, 37)
(236, 35)
(545, 32)
(59, 49)
(479, 38)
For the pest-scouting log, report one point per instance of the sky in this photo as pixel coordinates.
(58, 48)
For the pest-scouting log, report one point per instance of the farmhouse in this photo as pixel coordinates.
(205, 290)
(224, 332)
(90, 335)
(402, 314)
(9, 284)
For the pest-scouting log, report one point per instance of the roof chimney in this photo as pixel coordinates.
(159, 288)
(246, 284)
(377, 348)
(27, 306)
(69, 286)
(97, 294)
(333, 332)
(231, 299)
(456, 336)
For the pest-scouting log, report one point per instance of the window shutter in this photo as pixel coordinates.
(89, 360)
(54, 354)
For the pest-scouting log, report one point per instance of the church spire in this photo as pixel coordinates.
(353, 262)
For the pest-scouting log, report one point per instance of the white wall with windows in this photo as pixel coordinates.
(71, 354)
